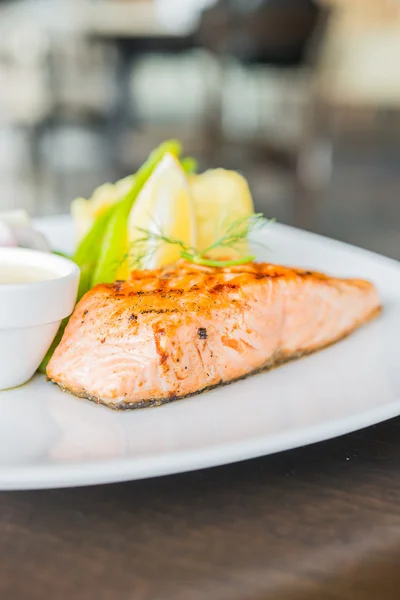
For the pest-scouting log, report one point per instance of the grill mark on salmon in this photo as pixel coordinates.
(178, 331)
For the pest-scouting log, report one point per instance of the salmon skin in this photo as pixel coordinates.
(178, 331)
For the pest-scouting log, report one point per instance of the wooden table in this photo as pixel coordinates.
(318, 523)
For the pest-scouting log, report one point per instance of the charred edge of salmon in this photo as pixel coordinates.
(277, 361)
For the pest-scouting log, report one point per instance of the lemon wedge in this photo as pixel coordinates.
(220, 197)
(163, 206)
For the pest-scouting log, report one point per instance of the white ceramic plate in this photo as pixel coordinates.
(52, 439)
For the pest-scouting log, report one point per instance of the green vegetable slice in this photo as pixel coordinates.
(114, 248)
(43, 365)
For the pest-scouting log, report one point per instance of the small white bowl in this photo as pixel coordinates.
(31, 312)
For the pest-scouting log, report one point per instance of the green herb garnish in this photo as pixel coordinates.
(232, 236)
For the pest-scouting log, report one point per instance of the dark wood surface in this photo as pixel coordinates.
(321, 522)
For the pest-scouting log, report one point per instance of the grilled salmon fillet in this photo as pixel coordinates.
(177, 331)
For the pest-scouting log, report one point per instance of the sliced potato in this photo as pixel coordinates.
(220, 198)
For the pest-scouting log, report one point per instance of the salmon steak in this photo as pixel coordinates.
(177, 331)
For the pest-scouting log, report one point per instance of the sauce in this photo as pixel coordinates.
(11, 274)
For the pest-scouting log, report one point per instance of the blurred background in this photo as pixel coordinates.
(301, 96)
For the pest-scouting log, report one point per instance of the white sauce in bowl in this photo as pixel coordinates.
(11, 274)
(37, 291)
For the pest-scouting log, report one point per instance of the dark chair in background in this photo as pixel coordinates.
(283, 35)
(271, 32)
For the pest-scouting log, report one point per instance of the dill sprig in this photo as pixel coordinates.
(232, 235)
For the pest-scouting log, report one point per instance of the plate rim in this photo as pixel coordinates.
(125, 469)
